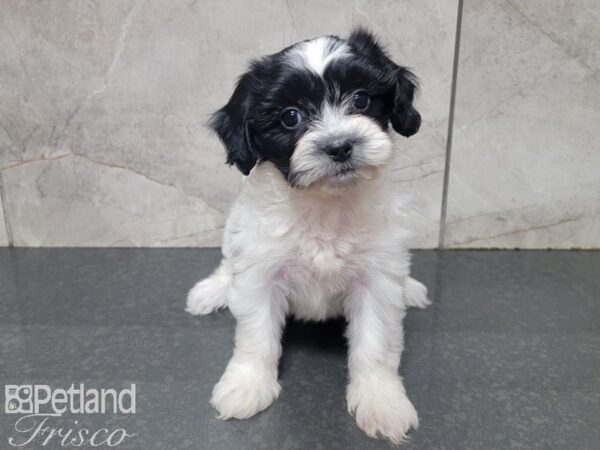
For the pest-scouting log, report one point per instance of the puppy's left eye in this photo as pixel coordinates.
(361, 101)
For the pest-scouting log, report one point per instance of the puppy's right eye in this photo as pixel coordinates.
(291, 118)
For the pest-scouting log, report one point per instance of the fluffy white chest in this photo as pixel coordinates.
(324, 241)
(312, 246)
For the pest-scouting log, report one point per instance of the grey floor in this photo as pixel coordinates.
(508, 356)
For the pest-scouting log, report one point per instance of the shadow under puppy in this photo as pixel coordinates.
(318, 230)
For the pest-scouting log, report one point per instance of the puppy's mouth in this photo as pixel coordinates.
(345, 170)
(337, 176)
(343, 176)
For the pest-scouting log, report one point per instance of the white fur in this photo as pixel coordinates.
(315, 254)
(317, 53)
(210, 294)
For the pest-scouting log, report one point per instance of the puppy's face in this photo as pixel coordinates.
(320, 111)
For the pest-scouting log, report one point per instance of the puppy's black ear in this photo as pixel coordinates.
(231, 125)
(405, 119)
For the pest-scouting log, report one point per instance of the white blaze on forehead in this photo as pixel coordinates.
(318, 53)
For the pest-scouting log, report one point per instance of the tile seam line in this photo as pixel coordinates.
(4, 200)
(449, 134)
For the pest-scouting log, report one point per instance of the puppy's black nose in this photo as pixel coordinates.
(339, 153)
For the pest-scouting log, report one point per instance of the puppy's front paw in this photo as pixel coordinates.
(244, 391)
(381, 406)
(415, 294)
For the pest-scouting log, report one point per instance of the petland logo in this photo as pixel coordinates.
(39, 405)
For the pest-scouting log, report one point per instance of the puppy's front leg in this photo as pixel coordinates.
(376, 395)
(249, 383)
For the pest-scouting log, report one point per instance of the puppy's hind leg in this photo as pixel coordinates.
(211, 293)
(415, 294)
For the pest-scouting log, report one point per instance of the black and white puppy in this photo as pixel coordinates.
(318, 229)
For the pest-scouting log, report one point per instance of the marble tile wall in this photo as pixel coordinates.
(103, 108)
(525, 165)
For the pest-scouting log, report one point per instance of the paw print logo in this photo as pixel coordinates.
(18, 399)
